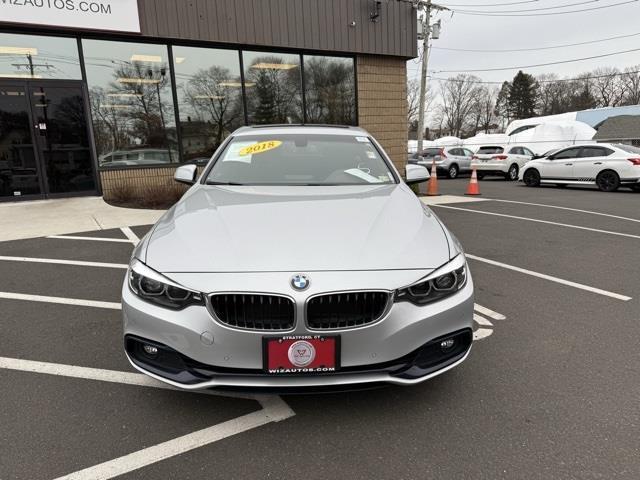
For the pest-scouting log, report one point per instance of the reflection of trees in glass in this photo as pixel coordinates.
(273, 91)
(141, 87)
(135, 109)
(213, 98)
(330, 90)
(110, 125)
(70, 118)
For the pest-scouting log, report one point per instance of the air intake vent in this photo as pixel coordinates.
(346, 310)
(253, 311)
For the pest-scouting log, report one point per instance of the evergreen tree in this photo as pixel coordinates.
(523, 96)
(266, 98)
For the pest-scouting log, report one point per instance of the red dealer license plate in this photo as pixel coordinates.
(301, 354)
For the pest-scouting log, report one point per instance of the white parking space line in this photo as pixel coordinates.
(587, 288)
(488, 312)
(485, 327)
(177, 446)
(480, 320)
(274, 409)
(94, 239)
(481, 333)
(482, 212)
(567, 208)
(451, 199)
(98, 374)
(133, 238)
(60, 300)
(64, 262)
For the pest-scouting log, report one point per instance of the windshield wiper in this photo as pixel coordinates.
(211, 182)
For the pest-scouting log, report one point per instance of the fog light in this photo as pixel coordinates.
(150, 350)
(447, 344)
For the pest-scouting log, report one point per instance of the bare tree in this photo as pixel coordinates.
(608, 87)
(413, 101)
(552, 94)
(458, 100)
(484, 109)
(631, 81)
(111, 123)
(208, 93)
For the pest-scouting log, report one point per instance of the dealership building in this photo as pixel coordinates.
(107, 97)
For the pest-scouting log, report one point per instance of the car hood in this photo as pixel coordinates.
(297, 229)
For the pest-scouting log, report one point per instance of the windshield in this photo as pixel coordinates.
(490, 150)
(549, 152)
(297, 159)
(431, 152)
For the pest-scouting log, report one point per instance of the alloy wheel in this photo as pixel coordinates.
(608, 181)
(531, 178)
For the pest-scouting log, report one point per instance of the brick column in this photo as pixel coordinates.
(382, 103)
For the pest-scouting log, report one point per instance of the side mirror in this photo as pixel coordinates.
(416, 174)
(186, 174)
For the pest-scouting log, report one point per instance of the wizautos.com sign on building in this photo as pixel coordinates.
(108, 15)
(98, 97)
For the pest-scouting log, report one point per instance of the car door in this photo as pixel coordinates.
(456, 157)
(590, 162)
(527, 153)
(465, 163)
(516, 155)
(559, 166)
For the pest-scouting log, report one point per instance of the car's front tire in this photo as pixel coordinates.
(512, 173)
(531, 178)
(608, 181)
(453, 171)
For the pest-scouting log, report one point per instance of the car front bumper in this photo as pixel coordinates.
(398, 349)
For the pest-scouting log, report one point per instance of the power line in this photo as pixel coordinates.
(539, 48)
(555, 7)
(486, 14)
(592, 77)
(539, 64)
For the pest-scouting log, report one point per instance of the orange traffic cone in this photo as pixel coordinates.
(473, 188)
(432, 188)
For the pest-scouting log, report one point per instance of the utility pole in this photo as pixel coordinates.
(427, 7)
(31, 66)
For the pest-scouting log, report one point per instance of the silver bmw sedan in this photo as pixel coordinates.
(298, 259)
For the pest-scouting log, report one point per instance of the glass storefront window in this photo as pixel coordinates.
(273, 87)
(330, 95)
(33, 56)
(131, 100)
(209, 98)
(18, 165)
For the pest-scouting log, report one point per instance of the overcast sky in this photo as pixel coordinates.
(492, 33)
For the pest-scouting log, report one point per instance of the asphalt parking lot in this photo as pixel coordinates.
(550, 390)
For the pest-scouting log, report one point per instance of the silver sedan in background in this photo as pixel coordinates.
(298, 259)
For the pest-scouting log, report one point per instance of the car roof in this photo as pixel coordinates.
(299, 129)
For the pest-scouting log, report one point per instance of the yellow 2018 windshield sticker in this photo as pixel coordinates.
(259, 147)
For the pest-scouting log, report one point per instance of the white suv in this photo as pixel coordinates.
(604, 164)
(450, 161)
(501, 160)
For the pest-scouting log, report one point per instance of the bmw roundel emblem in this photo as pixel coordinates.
(300, 282)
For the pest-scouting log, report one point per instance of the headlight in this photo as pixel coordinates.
(149, 285)
(445, 281)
